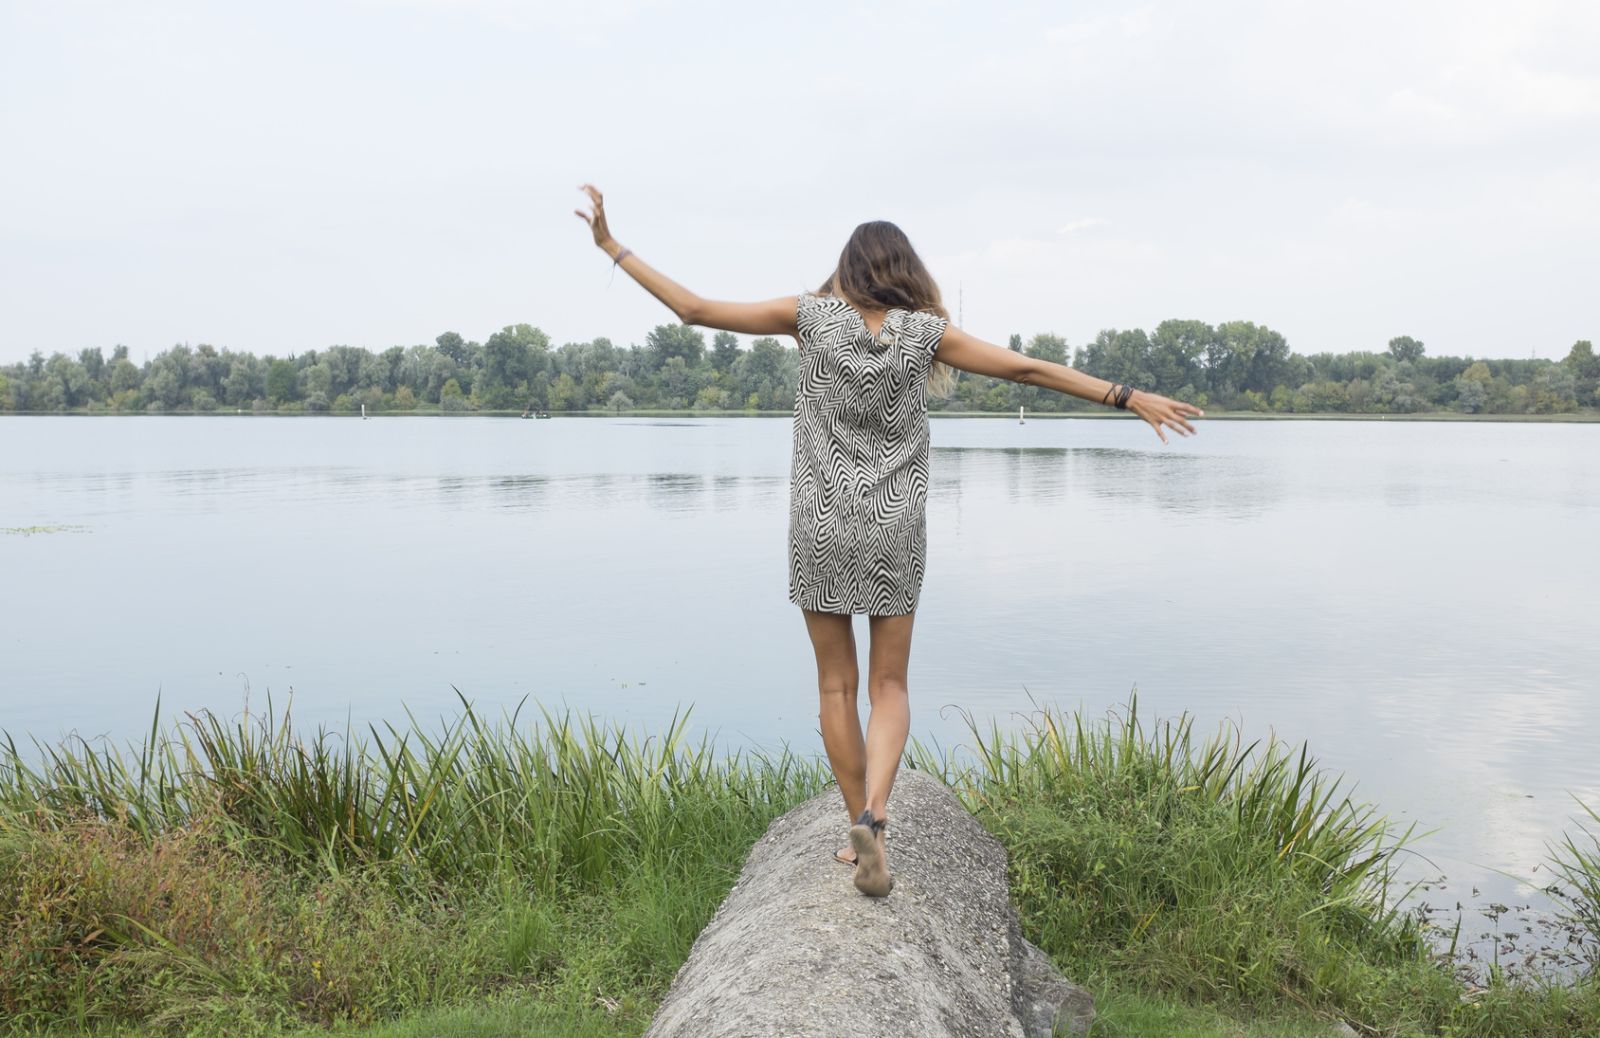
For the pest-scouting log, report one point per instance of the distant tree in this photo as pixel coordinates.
(563, 394)
(281, 386)
(763, 365)
(1585, 368)
(1049, 347)
(711, 398)
(451, 398)
(1472, 388)
(244, 381)
(451, 345)
(724, 351)
(667, 341)
(317, 381)
(620, 401)
(511, 356)
(1119, 356)
(1177, 350)
(1404, 348)
(69, 382)
(1015, 344)
(1555, 390)
(124, 375)
(94, 363)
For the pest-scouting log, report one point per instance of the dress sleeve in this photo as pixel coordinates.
(805, 319)
(931, 329)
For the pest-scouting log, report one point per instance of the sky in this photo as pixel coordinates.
(288, 176)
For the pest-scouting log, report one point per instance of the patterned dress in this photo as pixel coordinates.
(858, 483)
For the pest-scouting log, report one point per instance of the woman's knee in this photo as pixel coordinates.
(841, 685)
(882, 688)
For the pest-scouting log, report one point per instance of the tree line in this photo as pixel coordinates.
(1236, 365)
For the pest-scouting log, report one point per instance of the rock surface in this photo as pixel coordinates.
(796, 950)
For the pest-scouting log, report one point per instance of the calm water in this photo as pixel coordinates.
(1417, 600)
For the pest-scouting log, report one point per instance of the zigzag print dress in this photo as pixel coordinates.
(858, 483)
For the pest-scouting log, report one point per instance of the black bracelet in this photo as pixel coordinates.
(1122, 397)
(1110, 390)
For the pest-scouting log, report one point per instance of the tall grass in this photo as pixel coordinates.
(563, 803)
(232, 876)
(1576, 859)
(1217, 870)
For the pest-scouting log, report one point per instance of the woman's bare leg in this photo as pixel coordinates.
(890, 720)
(887, 729)
(838, 676)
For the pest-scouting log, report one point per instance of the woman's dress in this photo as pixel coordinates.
(858, 482)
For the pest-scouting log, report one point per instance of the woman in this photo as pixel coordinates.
(874, 341)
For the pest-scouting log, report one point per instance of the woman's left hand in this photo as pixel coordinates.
(1159, 410)
(597, 219)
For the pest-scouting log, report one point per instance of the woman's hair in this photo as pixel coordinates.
(879, 269)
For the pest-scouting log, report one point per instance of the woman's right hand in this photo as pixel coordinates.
(597, 219)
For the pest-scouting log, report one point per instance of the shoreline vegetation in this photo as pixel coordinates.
(1235, 368)
(548, 875)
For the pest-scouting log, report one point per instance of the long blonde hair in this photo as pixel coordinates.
(879, 269)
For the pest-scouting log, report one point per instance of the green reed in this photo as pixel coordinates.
(1576, 859)
(1227, 871)
(561, 802)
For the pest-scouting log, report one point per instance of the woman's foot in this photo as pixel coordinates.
(846, 854)
(872, 862)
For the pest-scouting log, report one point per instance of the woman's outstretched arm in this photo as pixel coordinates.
(960, 350)
(770, 317)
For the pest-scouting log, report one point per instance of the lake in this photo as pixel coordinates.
(1418, 600)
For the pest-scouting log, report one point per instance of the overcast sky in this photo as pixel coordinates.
(286, 176)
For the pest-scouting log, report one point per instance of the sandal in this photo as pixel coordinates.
(872, 875)
(841, 859)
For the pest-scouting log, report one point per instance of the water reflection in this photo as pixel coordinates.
(1235, 488)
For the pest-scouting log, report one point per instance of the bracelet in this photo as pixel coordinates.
(624, 252)
(1117, 396)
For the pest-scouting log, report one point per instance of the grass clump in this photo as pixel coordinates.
(231, 876)
(1226, 874)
